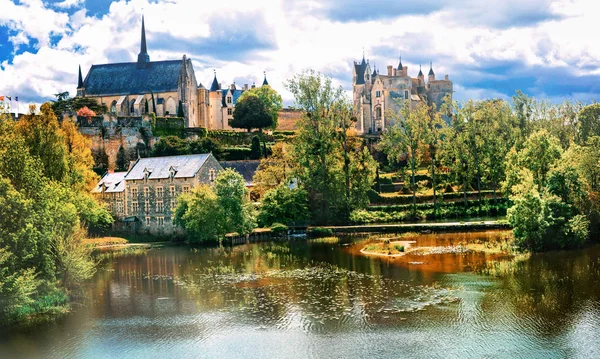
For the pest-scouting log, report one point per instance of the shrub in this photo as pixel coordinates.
(321, 232)
(399, 248)
(278, 228)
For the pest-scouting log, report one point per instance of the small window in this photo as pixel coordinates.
(160, 207)
(173, 204)
(406, 94)
(146, 192)
(172, 191)
(135, 207)
(161, 221)
(147, 221)
(146, 206)
(159, 192)
(229, 111)
(212, 175)
(228, 99)
(185, 189)
(134, 193)
(377, 93)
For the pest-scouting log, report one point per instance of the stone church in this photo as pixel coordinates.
(135, 88)
(374, 93)
(144, 86)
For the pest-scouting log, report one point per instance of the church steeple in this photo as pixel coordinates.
(265, 80)
(143, 57)
(80, 81)
(80, 89)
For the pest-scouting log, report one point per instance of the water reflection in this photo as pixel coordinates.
(303, 299)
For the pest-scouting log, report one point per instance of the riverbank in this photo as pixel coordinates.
(421, 227)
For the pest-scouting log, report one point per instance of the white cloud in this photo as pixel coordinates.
(299, 37)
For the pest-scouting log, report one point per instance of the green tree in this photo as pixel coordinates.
(270, 98)
(122, 162)
(250, 112)
(180, 112)
(405, 139)
(283, 205)
(588, 122)
(208, 214)
(255, 149)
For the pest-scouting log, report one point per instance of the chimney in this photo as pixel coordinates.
(232, 86)
(405, 71)
(245, 87)
(446, 78)
(394, 70)
(389, 70)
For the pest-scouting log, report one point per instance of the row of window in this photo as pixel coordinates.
(160, 221)
(160, 206)
(159, 191)
(378, 94)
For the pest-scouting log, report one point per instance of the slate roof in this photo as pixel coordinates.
(245, 168)
(127, 79)
(360, 72)
(114, 183)
(235, 95)
(215, 84)
(159, 167)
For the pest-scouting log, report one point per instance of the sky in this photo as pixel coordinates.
(489, 49)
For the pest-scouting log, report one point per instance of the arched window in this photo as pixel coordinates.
(124, 107)
(132, 109)
(113, 107)
(378, 113)
(171, 109)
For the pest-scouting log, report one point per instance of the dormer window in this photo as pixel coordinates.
(228, 99)
(172, 173)
(147, 172)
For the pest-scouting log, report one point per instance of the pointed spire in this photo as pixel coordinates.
(420, 71)
(80, 81)
(431, 73)
(374, 71)
(143, 57)
(215, 83)
(400, 64)
(265, 82)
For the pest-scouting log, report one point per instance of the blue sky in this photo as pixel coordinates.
(489, 49)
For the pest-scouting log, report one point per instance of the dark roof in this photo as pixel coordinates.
(420, 72)
(235, 95)
(360, 72)
(245, 168)
(160, 167)
(400, 64)
(431, 70)
(80, 80)
(265, 83)
(215, 84)
(126, 78)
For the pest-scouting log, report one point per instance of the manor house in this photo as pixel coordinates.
(162, 87)
(144, 197)
(374, 93)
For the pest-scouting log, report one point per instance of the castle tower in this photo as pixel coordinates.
(265, 82)
(143, 57)
(420, 76)
(216, 103)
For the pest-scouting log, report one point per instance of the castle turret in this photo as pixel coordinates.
(215, 84)
(431, 76)
(420, 76)
(265, 82)
(143, 57)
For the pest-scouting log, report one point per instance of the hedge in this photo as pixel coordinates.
(168, 126)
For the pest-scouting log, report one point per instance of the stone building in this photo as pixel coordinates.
(135, 88)
(374, 93)
(147, 193)
(216, 104)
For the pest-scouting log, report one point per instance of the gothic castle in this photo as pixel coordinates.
(374, 93)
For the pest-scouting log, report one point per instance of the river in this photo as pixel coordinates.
(323, 299)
